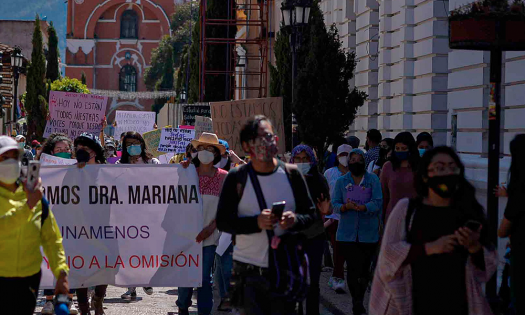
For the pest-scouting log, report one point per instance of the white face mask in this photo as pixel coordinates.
(206, 157)
(222, 163)
(9, 171)
(343, 160)
(304, 168)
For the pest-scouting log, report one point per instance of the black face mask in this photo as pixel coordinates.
(445, 186)
(356, 169)
(83, 156)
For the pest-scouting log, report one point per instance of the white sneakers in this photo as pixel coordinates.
(49, 309)
(338, 285)
(72, 309)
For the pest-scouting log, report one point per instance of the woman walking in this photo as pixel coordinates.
(435, 254)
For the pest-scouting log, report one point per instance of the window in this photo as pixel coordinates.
(129, 26)
(128, 79)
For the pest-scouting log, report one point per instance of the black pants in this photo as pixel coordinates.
(82, 294)
(252, 286)
(18, 295)
(314, 249)
(358, 257)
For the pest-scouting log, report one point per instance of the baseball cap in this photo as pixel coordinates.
(19, 137)
(226, 145)
(344, 148)
(35, 142)
(8, 144)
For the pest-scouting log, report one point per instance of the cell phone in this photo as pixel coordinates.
(278, 209)
(33, 174)
(473, 225)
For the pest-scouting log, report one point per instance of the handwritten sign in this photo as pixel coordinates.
(165, 158)
(152, 139)
(175, 140)
(46, 159)
(190, 111)
(229, 118)
(74, 113)
(140, 122)
(202, 124)
(359, 194)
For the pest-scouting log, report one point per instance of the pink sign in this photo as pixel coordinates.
(186, 127)
(74, 113)
(119, 153)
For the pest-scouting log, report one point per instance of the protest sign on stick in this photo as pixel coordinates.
(46, 159)
(152, 139)
(140, 122)
(175, 140)
(74, 113)
(126, 225)
(229, 118)
(202, 124)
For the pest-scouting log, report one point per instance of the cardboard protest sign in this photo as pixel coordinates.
(152, 139)
(202, 124)
(126, 225)
(140, 122)
(190, 111)
(175, 140)
(229, 117)
(46, 159)
(74, 113)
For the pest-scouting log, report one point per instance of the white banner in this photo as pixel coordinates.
(46, 159)
(127, 225)
(140, 122)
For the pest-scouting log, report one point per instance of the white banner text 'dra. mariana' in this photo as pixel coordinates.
(127, 225)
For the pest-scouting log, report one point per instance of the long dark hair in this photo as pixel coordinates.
(53, 139)
(464, 200)
(517, 168)
(144, 154)
(407, 139)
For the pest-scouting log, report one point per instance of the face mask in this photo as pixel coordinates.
(222, 163)
(64, 155)
(422, 151)
(343, 160)
(9, 171)
(110, 152)
(263, 150)
(21, 145)
(304, 168)
(444, 186)
(194, 155)
(206, 157)
(356, 169)
(134, 150)
(83, 156)
(402, 155)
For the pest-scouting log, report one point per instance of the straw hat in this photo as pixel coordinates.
(209, 139)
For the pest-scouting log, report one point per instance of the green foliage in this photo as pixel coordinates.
(53, 67)
(324, 106)
(166, 83)
(36, 87)
(69, 85)
(83, 78)
(182, 73)
(193, 93)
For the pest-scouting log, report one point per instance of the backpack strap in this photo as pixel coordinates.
(45, 211)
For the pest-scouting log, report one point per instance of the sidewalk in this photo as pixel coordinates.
(337, 304)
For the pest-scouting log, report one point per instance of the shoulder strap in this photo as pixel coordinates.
(45, 211)
(410, 212)
(260, 197)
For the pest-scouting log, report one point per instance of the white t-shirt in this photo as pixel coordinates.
(253, 248)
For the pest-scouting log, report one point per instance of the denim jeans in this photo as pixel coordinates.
(223, 271)
(204, 293)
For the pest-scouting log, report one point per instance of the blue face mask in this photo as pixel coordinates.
(134, 150)
(402, 156)
(422, 151)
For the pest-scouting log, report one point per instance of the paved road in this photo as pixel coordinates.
(162, 302)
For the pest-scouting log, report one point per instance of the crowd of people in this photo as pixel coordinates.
(399, 216)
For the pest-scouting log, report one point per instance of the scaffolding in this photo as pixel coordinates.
(246, 64)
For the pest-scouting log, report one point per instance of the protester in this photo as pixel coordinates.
(336, 281)
(431, 262)
(89, 151)
(359, 201)
(424, 142)
(27, 155)
(229, 158)
(376, 167)
(239, 213)
(513, 223)
(211, 179)
(38, 151)
(134, 151)
(25, 225)
(387, 144)
(353, 141)
(373, 139)
(34, 145)
(331, 156)
(110, 148)
(303, 156)
(397, 176)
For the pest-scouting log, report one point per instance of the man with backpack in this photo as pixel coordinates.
(261, 281)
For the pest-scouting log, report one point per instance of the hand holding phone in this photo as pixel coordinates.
(33, 175)
(473, 225)
(278, 209)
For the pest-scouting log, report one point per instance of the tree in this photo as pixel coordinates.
(324, 104)
(36, 105)
(193, 93)
(53, 67)
(166, 83)
(69, 85)
(83, 78)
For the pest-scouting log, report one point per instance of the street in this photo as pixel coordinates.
(162, 302)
